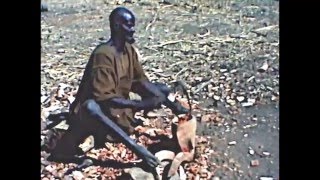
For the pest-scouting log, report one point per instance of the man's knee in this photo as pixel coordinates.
(91, 106)
(163, 88)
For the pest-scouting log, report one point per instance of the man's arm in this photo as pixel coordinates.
(95, 111)
(142, 84)
(145, 88)
(104, 82)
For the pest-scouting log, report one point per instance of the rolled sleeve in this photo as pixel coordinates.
(104, 78)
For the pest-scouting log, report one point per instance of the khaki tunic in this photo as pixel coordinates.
(110, 74)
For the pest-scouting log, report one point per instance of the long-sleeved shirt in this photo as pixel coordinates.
(110, 74)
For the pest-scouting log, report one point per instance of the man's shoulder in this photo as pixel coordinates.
(135, 49)
(100, 52)
(104, 48)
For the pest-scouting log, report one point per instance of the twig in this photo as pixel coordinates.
(153, 21)
(187, 14)
(188, 52)
(202, 86)
(79, 67)
(263, 31)
(161, 74)
(238, 36)
(179, 62)
(150, 48)
(173, 42)
(180, 72)
(144, 59)
(167, 43)
(266, 28)
(156, 16)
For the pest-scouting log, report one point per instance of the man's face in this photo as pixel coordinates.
(127, 27)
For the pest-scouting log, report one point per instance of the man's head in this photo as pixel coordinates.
(122, 22)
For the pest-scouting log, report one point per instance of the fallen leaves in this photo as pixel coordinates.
(154, 126)
(212, 117)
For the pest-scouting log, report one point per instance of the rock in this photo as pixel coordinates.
(199, 115)
(251, 151)
(222, 78)
(211, 94)
(152, 114)
(157, 70)
(182, 174)
(252, 101)
(62, 125)
(250, 79)
(217, 98)
(247, 104)
(50, 168)
(233, 71)
(198, 78)
(137, 173)
(134, 96)
(61, 51)
(206, 118)
(216, 88)
(250, 126)
(63, 85)
(223, 70)
(77, 175)
(165, 154)
(231, 161)
(87, 144)
(232, 143)
(240, 98)
(215, 178)
(210, 86)
(254, 163)
(266, 178)
(231, 102)
(245, 135)
(234, 119)
(269, 88)
(44, 99)
(71, 99)
(60, 93)
(264, 67)
(266, 153)
(203, 173)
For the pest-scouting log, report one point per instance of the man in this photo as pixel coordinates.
(102, 107)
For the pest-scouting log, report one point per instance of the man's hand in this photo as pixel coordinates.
(147, 157)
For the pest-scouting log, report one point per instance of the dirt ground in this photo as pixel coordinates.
(227, 52)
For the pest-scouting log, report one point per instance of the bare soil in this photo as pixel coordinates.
(216, 47)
